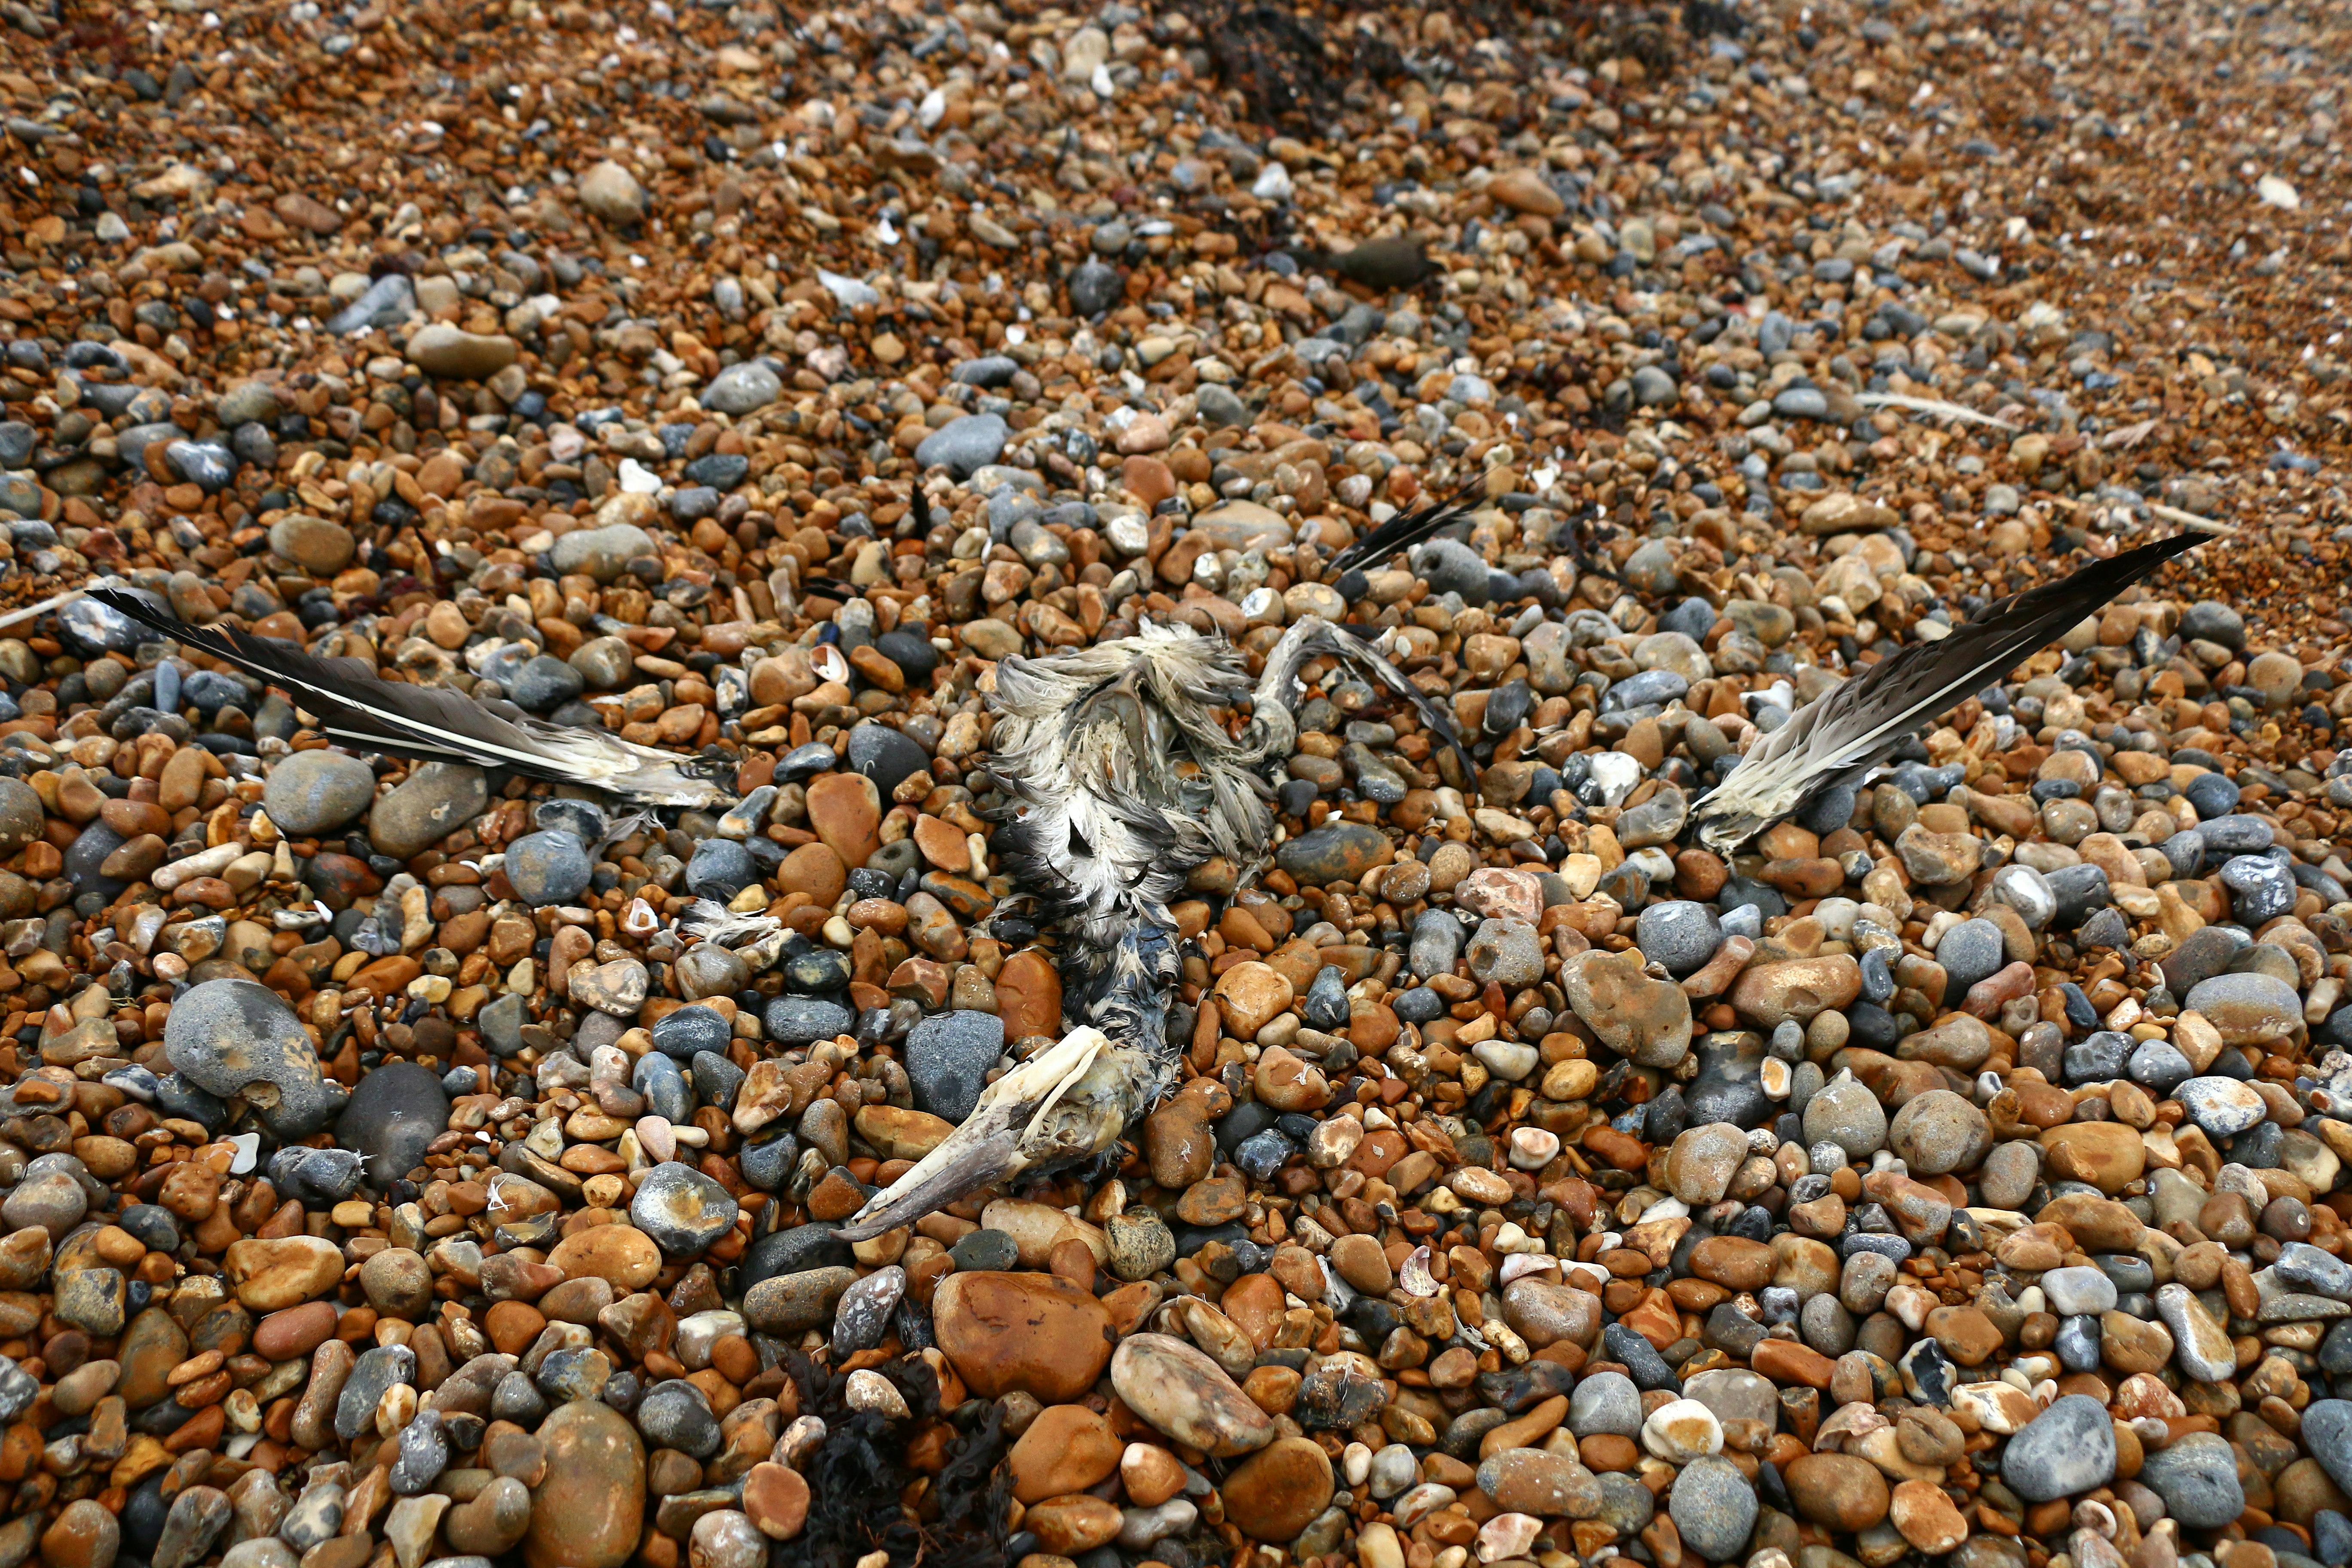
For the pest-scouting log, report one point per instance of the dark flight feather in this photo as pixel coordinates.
(1355, 647)
(1851, 728)
(1407, 529)
(358, 708)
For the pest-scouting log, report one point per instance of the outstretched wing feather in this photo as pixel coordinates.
(361, 709)
(1859, 723)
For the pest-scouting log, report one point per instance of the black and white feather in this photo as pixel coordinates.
(359, 709)
(1407, 529)
(1844, 733)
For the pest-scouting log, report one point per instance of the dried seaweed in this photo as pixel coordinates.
(858, 1475)
(1276, 61)
(1702, 18)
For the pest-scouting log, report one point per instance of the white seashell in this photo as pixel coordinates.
(1415, 1277)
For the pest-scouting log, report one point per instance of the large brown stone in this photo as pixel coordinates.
(845, 812)
(1036, 1334)
(1182, 1393)
(1068, 1525)
(84, 1535)
(1068, 1448)
(1248, 995)
(1634, 1015)
(152, 1346)
(815, 869)
(272, 1275)
(1277, 1491)
(296, 1331)
(1796, 988)
(590, 1510)
(2107, 1154)
(1029, 995)
(1545, 1312)
(1838, 1489)
(621, 1255)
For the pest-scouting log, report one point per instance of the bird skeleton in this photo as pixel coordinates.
(1123, 780)
(1123, 776)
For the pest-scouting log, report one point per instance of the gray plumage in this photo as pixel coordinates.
(1847, 730)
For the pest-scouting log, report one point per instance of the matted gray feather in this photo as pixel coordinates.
(358, 707)
(1851, 729)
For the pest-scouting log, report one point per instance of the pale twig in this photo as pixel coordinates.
(54, 602)
(1930, 405)
(2190, 519)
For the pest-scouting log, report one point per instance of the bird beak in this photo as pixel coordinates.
(1070, 1101)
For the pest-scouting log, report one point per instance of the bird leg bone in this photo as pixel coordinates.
(1068, 1103)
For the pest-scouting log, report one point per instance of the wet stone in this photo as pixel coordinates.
(2067, 1450)
(682, 1209)
(232, 1037)
(949, 1057)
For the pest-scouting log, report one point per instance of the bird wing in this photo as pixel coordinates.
(1855, 725)
(1407, 529)
(357, 706)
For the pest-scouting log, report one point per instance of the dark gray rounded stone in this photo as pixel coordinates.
(674, 1415)
(2261, 888)
(1679, 933)
(947, 1058)
(548, 867)
(2197, 1477)
(1713, 1508)
(690, 1029)
(804, 1020)
(1096, 287)
(719, 869)
(2214, 622)
(319, 1178)
(984, 1251)
(312, 793)
(2068, 1448)
(767, 1160)
(682, 1209)
(432, 802)
(1605, 1403)
(546, 683)
(663, 1083)
(912, 652)
(2327, 1433)
(396, 1111)
(1325, 1006)
(376, 1371)
(793, 1251)
(886, 756)
(966, 444)
(87, 853)
(2213, 794)
(1971, 952)
(716, 1079)
(231, 1036)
